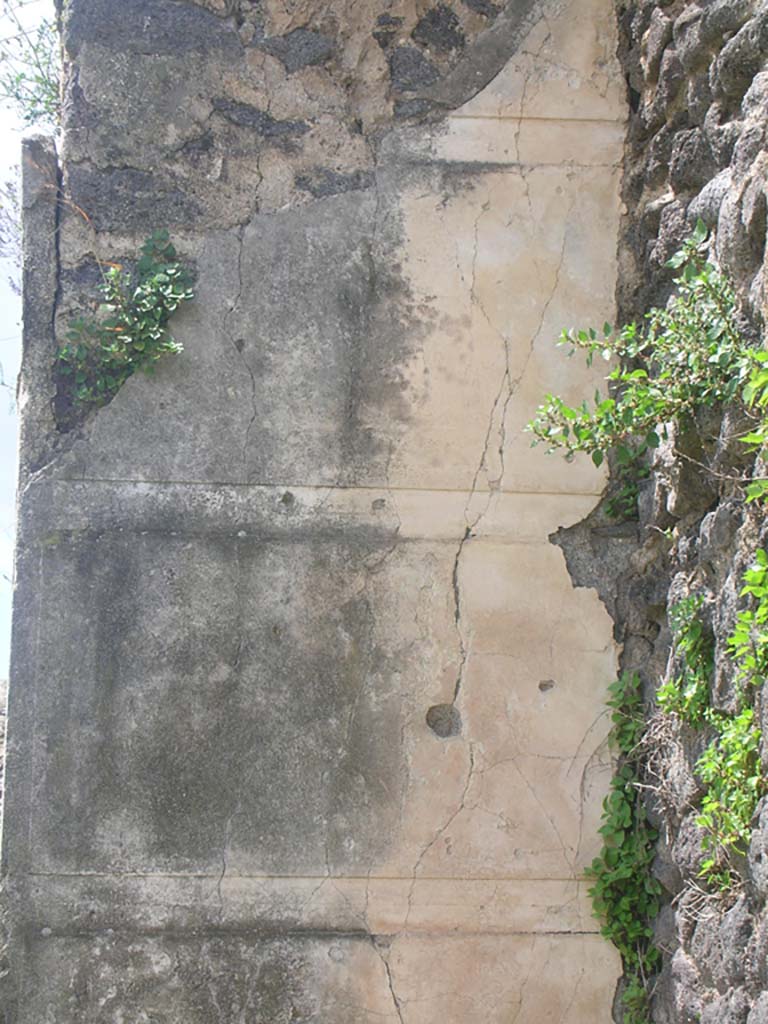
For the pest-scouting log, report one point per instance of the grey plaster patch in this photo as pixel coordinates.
(298, 399)
(412, 108)
(185, 978)
(269, 727)
(40, 269)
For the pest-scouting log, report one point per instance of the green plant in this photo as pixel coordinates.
(131, 331)
(756, 400)
(748, 644)
(30, 66)
(730, 769)
(686, 355)
(687, 694)
(625, 895)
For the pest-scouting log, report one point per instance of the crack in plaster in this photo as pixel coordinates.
(396, 1001)
(441, 831)
(234, 308)
(511, 385)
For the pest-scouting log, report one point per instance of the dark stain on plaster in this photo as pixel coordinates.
(332, 351)
(236, 703)
(273, 979)
(322, 181)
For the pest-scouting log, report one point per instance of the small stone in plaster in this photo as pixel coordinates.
(444, 720)
(546, 684)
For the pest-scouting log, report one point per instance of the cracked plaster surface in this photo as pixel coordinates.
(319, 522)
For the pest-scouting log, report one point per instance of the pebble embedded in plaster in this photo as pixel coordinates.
(444, 720)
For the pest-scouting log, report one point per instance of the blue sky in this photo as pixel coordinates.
(10, 355)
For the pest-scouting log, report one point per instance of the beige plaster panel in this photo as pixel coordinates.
(518, 794)
(503, 980)
(508, 263)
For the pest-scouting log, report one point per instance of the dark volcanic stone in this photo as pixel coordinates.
(300, 48)
(659, 35)
(439, 30)
(692, 163)
(687, 36)
(741, 59)
(246, 116)
(126, 199)
(410, 69)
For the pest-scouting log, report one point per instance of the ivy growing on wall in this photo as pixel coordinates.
(625, 895)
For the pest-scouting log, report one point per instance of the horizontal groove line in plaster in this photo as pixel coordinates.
(502, 167)
(204, 876)
(329, 488)
(319, 933)
(537, 120)
(499, 540)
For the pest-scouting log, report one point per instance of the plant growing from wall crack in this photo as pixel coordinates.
(625, 895)
(687, 693)
(130, 332)
(686, 355)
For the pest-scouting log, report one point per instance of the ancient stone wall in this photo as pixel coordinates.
(697, 148)
(306, 721)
